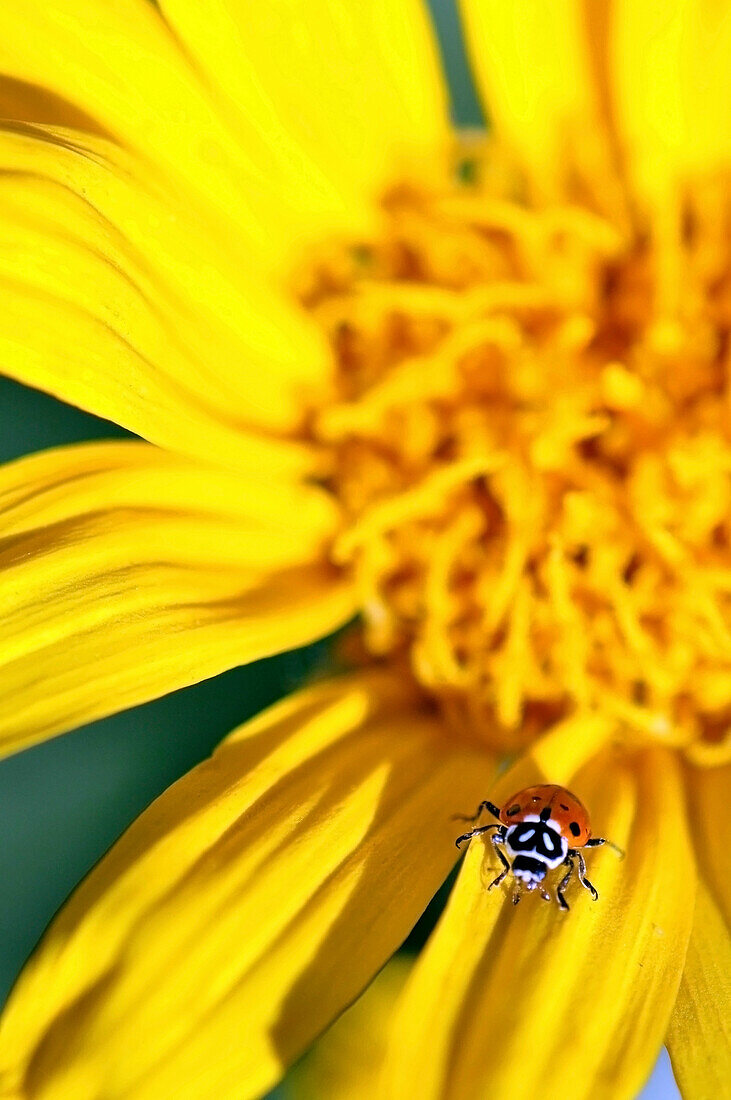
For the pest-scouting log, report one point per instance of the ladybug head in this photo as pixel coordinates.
(528, 869)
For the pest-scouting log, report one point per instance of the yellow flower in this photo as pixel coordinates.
(490, 415)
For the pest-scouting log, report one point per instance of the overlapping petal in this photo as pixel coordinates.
(669, 66)
(510, 997)
(151, 262)
(708, 795)
(120, 64)
(532, 63)
(118, 299)
(699, 1038)
(128, 572)
(278, 153)
(345, 1063)
(654, 78)
(247, 906)
(361, 93)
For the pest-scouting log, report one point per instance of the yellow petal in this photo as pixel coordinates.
(670, 69)
(128, 572)
(510, 997)
(699, 1039)
(708, 795)
(247, 907)
(120, 64)
(531, 60)
(237, 110)
(561, 752)
(345, 1063)
(357, 87)
(115, 299)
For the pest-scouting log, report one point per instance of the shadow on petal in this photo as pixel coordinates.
(248, 906)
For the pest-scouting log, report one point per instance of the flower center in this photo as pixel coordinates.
(533, 460)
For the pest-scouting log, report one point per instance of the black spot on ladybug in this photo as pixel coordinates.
(514, 810)
(536, 798)
(545, 813)
(563, 807)
(575, 828)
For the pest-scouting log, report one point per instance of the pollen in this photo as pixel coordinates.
(530, 443)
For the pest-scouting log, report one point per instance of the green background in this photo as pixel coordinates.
(63, 803)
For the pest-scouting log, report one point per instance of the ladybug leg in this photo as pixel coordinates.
(483, 806)
(497, 840)
(583, 879)
(475, 832)
(564, 883)
(596, 841)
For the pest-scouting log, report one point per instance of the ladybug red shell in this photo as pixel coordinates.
(540, 828)
(566, 811)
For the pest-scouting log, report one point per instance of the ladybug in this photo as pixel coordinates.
(540, 828)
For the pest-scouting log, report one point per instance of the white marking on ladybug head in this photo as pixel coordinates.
(542, 840)
(529, 870)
